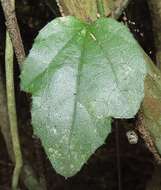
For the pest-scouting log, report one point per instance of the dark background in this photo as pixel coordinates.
(101, 171)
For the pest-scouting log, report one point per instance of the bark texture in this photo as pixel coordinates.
(13, 29)
(150, 114)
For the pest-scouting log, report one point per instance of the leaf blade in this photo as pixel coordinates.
(81, 86)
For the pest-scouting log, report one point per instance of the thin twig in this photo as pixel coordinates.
(12, 112)
(13, 29)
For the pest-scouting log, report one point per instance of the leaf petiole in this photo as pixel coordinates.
(100, 7)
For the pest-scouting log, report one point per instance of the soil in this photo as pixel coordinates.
(101, 172)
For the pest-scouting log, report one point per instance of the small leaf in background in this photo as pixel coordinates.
(80, 75)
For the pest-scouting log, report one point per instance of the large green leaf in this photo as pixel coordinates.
(81, 75)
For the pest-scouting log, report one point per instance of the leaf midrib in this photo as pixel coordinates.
(80, 64)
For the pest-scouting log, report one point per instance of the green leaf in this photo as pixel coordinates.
(80, 75)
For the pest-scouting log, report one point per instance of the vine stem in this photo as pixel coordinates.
(9, 61)
(13, 40)
(12, 112)
(100, 7)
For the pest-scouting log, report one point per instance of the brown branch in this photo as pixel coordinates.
(150, 114)
(13, 29)
(155, 10)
